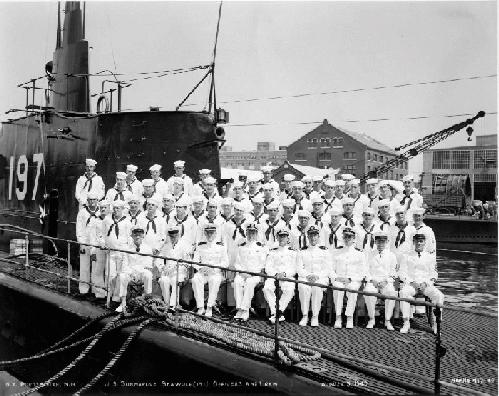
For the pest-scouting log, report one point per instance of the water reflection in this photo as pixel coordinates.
(467, 278)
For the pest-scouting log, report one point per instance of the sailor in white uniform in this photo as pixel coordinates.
(365, 232)
(371, 193)
(281, 263)
(267, 179)
(132, 183)
(349, 270)
(298, 235)
(153, 225)
(212, 253)
(148, 192)
(258, 215)
(418, 226)
(119, 190)
(98, 257)
(134, 209)
(332, 235)
(339, 188)
(382, 273)
(210, 217)
(187, 224)
(328, 197)
(160, 186)
(199, 187)
(268, 228)
(251, 256)
(398, 238)
(89, 182)
(179, 168)
(135, 267)
(385, 217)
(410, 199)
(313, 265)
(418, 273)
(287, 191)
(359, 201)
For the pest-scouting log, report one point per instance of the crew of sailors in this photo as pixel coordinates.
(317, 231)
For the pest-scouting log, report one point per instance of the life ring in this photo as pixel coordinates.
(99, 103)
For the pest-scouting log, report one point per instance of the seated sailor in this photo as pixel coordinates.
(213, 253)
(281, 263)
(175, 249)
(251, 256)
(349, 269)
(418, 272)
(382, 273)
(312, 266)
(135, 267)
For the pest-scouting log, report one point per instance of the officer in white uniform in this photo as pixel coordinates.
(213, 253)
(174, 249)
(85, 220)
(281, 263)
(132, 183)
(135, 267)
(382, 273)
(418, 272)
(349, 270)
(251, 256)
(89, 182)
(160, 186)
(313, 265)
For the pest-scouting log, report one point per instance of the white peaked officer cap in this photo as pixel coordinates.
(183, 201)
(227, 201)
(210, 180)
(204, 171)
(317, 178)
(266, 168)
(418, 211)
(118, 204)
(297, 183)
(340, 183)
(92, 195)
(355, 182)
(368, 210)
(178, 180)
(239, 206)
(316, 198)
(168, 197)
(329, 183)
(273, 205)
(197, 198)
(131, 168)
(335, 211)
(383, 202)
(120, 175)
(380, 234)
(399, 209)
(252, 226)
(155, 167)
(408, 178)
(179, 164)
(288, 177)
(288, 203)
(372, 181)
(303, 213)
(90, 162)
(306, 178)
(148, 182)
(133, 198)
(257, 199)
(347, 176)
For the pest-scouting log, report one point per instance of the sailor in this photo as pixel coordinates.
(148, 185)
(197, 207)
(210, 189)
(135, 267)
(226, 207)
(419, 226)
(359, 201)
(418, 273)
(281, 263)
(385, 219)
(134, 208)
(269, 195)
(240, 196)
(312, 266)
(270, 225)
(160, 186)
(319, 218)
(87, 215)
(98, 256)
(267, 179)
(308, 186)
(210, 217)
(286, 192)
(328, 196)
(233, 231)
(253, 188)
(199, 187)
(178, 190)
(318, 184)
(332, 235)
(400, 243)
(339, 187)
(179, 168)
(349, 270)
(174, 250)
(349, 219)
(257, 213)
(251, 256)
(365, 232)
(132, 183)
(301, 202)
(371, 193)
(119, 190)
(187, 224)
(347, 178)
(382, 273)
(89, 182)
(168, 209)
(212, 253)
(288, 216)
(153, 225)
(116, 230)
(298, 234)
(385, 194)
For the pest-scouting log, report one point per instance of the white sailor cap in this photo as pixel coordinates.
(288, 177)
(227, 201)
(347, 176)
(238, 184)
(155, 200)
(297, 184)
(177, 180)
(274, 205)
(355, 182)
(257, 199)
(288, 203)
(335, 211)
(317, 178)
(307, 178)
(383, 203)
(384, 182)
(102, 203)
(316, 198)
(212, 202)
(347, 201)
(197, 199)
(183, 202)
(408, 178)
(204, 171)
(239, 206)
(155, 167)
(303, 213)
(266, 168)
(368, 210)
(120, 175)
(92, 195)
(418, 211)
(90, 162)
(329, 183)
(253, 178)
(380, 234)
(397, 185)
(371, 181)
(399, 209)
(179, 164)
(148, 182)
(133, 198)
(210, 180)
(267, 186)
(168, 197)
(118, 204)
(131, 168)
(340, 183)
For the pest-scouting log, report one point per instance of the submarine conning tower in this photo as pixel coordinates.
(70, 87)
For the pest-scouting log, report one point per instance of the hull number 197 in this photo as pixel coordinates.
(21, 175)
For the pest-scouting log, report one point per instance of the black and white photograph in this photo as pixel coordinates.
(248, 197)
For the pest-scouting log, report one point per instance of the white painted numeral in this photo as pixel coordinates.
(22, 177)
(38, 158)
(11, 176)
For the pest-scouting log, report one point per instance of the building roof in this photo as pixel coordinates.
(313, 171)
(229, 173)
(471, 148)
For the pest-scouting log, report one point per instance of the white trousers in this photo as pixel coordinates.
(198, 282)
(388, 290)
(244, 290)
(312, 294)
(98, 273)
(351, 298)
(288, 291)
(407, 291)
(84, 269)
(167, 284)
(123, 278)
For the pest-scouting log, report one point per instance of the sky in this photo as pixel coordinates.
(283, 49)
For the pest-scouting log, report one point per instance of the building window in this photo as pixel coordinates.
(376, 157)
(368, 156)
(485, 159)
(441, 159)
(391, 175)
(324, 156)
(350, 168)
(300, 157)
(381, 158)
(349, 155)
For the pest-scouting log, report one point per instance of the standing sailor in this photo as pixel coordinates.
(371, 193)
(153, 225)
(98, 257)
(268, 228)
(267, 179)
(134, 208)
(119, 190)
(179, 168)
(419, 226)
(89, 182)
(365, 232)
(132, 183)
(148, 185)
(187, 224)
(160, 186)
(410, 199)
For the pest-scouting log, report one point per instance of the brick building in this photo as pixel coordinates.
(328, 146)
